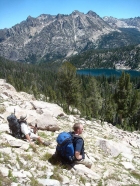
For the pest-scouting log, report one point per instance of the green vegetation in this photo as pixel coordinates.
(12, 178)
(135, 175)
(107, 58)
(115, 100)
(27, 157)
(42, 134)
(82, 179)
(68, 85)
(46, 156)
(2, 109)
(34, 182)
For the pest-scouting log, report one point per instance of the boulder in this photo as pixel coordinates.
(13, 142)
(111, 147)
(49, 182)
(90, 173)
(53, 109)
(6, 86)
(45, 122)
(43, 119)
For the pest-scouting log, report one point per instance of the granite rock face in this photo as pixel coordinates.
(51, 37)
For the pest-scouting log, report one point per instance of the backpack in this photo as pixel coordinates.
(14, 126)
(65, 148)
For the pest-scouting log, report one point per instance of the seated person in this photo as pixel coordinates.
(29, 132)
(78, 144)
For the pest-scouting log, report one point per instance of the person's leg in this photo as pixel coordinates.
(38, 138)
(87, 162)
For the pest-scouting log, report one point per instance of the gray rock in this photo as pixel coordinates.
(133, 143)
(87, 171)
(6, 150)
(113, 148)
(45, 122)
(128, 165)
(4, 171)
(4, 127)
(64, 179)
(18, 174)
(49, 182)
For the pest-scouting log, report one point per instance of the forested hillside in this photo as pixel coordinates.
(108, 58)
(109, 99)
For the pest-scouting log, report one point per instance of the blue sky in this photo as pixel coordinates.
(15, 11)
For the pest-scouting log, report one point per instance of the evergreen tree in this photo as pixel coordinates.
(123, 97)
(93, 100)
(68, 84)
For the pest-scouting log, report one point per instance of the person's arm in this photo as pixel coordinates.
(78, 148)
(77, 155)
(28, 137)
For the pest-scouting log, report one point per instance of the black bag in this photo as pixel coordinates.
(14, 126)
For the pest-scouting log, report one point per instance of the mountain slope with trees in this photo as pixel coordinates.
(129, 57)
(110, 99)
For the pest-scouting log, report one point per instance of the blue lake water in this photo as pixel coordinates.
(107, 72)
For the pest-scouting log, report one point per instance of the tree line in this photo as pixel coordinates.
(115, 100)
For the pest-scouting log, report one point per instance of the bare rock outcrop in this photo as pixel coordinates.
(38, 112)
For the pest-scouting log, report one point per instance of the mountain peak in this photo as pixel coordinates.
(29, 17)
(59, 16)
(91, 13)
(75, 12)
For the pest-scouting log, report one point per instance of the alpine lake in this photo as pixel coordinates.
(107, 72)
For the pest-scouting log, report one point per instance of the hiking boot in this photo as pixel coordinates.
(46, 143)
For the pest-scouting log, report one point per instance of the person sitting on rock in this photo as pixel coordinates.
(80, 156)
(30, 133)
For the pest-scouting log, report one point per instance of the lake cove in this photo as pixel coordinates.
(107, 72)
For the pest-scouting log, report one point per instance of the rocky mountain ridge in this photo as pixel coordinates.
(49, 37)
(115, 153)
(123, 23)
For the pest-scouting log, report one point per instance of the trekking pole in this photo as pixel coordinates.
(72, 166)
(87, 155)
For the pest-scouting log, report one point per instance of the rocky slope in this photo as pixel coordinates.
(115, 153)
(49, 38)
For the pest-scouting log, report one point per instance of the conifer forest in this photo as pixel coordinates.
(112, 99)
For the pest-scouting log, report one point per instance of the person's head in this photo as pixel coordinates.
(78, 128)
(23, 118)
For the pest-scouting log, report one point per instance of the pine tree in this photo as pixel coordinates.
(68, 84)
(123, 97)
(93, 100)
